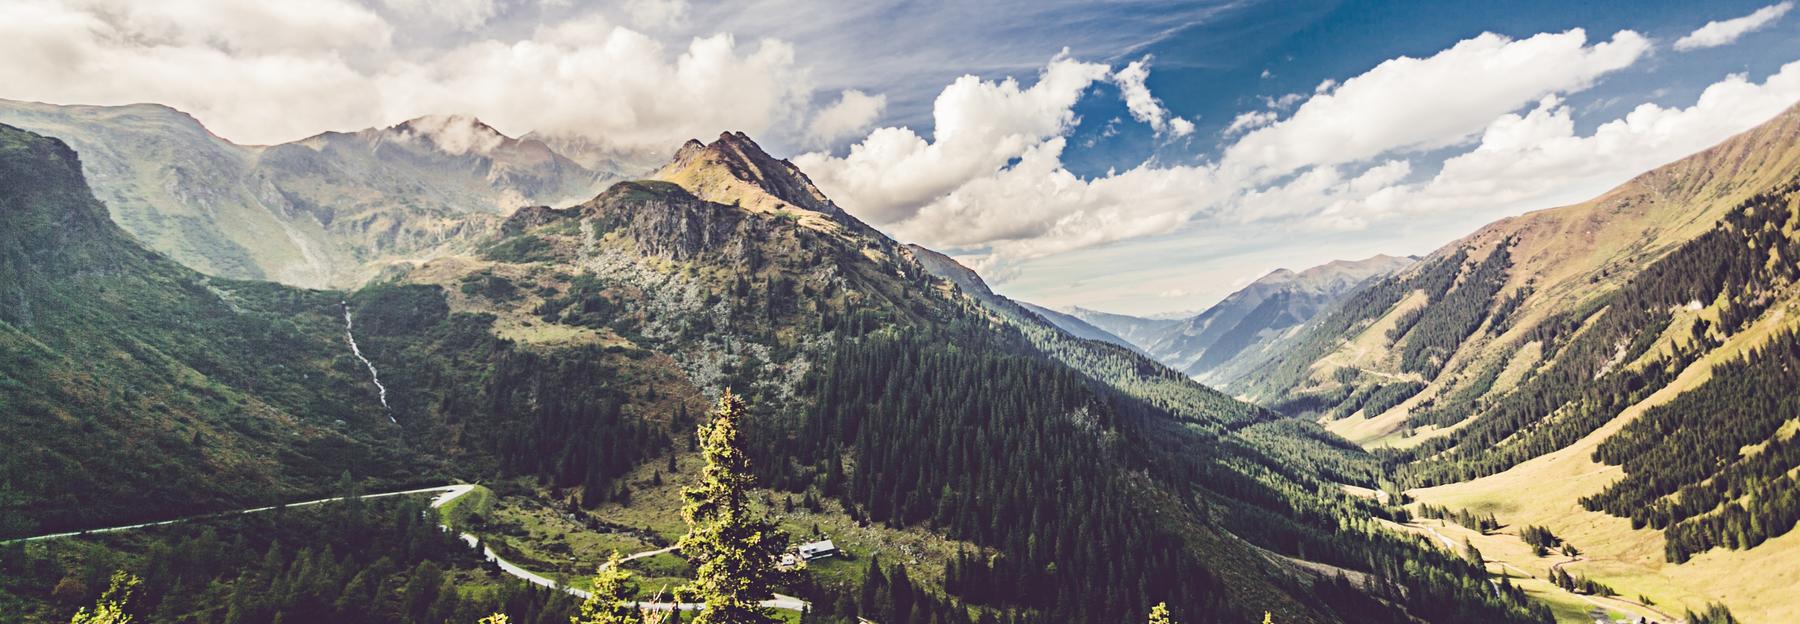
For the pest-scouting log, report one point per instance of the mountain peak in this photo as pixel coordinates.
(734, 170)
(453, 134)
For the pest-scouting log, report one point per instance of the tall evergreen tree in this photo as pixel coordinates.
(111, 607)
(735, 549)
(1159, 614)
(608, 601)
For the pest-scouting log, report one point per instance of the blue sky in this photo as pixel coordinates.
(1129, 155)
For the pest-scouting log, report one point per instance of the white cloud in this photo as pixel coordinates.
(1718, 33)
(456, 14)
(854, 112)
(1143, 106)
(656, 14)
(1001, 206)
(1284, 102)
(980, 126)
(241, 67)
(1536, 160)
(1250, 120)
(1415, 104)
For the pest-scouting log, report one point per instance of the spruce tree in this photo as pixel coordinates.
(1159, 614)
(608, 601)
(111, 607)
(735, 549)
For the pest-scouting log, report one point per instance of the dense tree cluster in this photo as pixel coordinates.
(1468, 519)
(1594, 351)
(343, 562)
(1447, 320)
(1686, 458)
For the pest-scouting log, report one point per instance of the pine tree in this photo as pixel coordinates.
(734, 547)
(1159, 614)
(1471, 553)
(111, 607)
(607, 602)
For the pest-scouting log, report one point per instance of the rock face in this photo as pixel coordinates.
(326, 211)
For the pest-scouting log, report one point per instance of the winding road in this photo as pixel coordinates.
(445, 494)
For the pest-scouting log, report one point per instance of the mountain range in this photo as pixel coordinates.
(1244, 324)
(567, 347)
(1600, 390)
(330, 210)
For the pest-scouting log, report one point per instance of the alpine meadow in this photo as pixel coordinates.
(898, 312)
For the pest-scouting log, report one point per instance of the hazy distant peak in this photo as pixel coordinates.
(452, 134)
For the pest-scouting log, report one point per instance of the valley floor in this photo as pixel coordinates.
(1756, 584)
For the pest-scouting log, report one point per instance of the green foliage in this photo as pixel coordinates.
(520, 249)
(385, 561)
(1539, 537)
(1159, 614)
(735, 547)
(1714, 613)
(609, 598)
(492, 287)
(112, 605)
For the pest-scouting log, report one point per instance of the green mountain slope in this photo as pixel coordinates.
(1644, 330)
(575, 344)
(136, 388)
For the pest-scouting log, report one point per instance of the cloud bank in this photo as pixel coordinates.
(242, 66)
(990, 182)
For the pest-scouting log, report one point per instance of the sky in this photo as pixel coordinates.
(1125, 155)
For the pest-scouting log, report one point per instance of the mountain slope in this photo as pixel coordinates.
(1613, 348)
(734, 271)
(329, 210)
(136, 388)
(574, 344)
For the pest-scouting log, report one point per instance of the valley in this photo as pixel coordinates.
(432, 372)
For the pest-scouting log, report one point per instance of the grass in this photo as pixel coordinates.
(1755, 583)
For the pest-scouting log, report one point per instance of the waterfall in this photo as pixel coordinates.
(373, 375)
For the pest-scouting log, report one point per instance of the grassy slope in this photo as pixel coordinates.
(136, 387)
(1544, 491)
(1573, 254)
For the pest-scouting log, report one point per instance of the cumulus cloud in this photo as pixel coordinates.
(1503, 98)
(1143, 106)
(853, 112)
(1536, 159)
(1718, 33)
(240, 67)
(1417, 104)
(980, 126)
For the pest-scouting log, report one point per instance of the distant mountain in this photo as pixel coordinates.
(329, 210)
(1080, 328)
(1138, 330)
(1247, 320)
